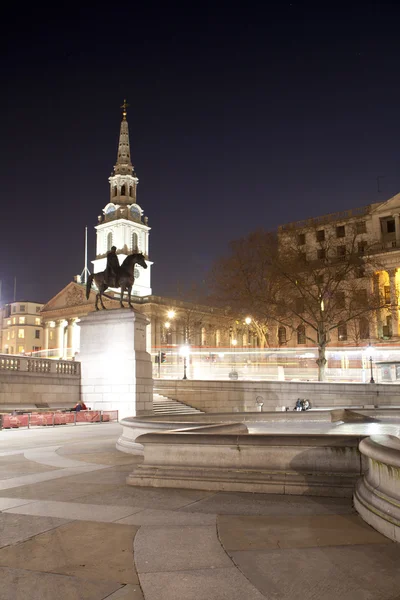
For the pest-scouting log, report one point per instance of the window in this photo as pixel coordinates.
(217, 337)
(321, 235)
(282, 335)
(8, 335)
(361, 227)
(37, 320)
(21, 320)
(341, 252)
(302, 257)
(319, 279)
(391, 226)
(364, 328)
(21, 349)
(22, 308)
(122, 190)
(109, 241)
(114, 191)
(301, 334)
(12, 334)
(135, 243)
(340, 231)
(38, 309)
(362, 246)
(37, 334)
(14, 320)
(342, 332)
(14, 309)
(301, 239)
(341, 300)
(9, 322)
(361, 297)
(131, 192)
(21, 333)
(51, 335)
(321, 254)
(36, 348)
(299, 305)
(360, 272)
(386, 292)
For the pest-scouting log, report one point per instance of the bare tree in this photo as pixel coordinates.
(307, 290)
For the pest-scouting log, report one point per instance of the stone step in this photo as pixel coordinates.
(162, 405)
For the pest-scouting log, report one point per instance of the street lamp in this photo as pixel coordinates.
(248, 321)
(184, 351)
(171, 314)
(370, 351)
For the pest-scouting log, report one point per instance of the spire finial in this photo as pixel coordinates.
(124, 107)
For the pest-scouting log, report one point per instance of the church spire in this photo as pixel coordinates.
(124, 165)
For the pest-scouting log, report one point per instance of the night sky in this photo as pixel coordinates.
(240, 117)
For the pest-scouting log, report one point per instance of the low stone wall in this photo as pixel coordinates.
(28, 383)
(377, 494)
(321, 465)
(241, 396)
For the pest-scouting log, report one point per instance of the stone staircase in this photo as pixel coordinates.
(166, 406)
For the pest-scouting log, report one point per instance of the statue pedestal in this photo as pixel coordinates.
(116, 370)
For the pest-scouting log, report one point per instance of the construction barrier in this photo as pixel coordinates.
(52, 418)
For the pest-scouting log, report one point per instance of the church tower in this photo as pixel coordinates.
(122, 223)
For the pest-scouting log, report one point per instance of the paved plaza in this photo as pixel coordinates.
(71, 529)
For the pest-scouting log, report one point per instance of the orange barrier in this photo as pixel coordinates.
(50, 419)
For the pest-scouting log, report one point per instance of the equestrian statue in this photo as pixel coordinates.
(115, 276)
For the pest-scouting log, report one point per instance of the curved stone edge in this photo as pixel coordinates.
(377, 493)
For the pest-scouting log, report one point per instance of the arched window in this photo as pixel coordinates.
(135, 242)
(135, 212)
(282, 335)
(301, 334)
(217, 337)
(115, 191)
(109, 241)
(122, 190)
(364, 328)
(131, 192)
(342, 332)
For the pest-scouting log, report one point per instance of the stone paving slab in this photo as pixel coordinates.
(18, 584)
(199, 584)
(153, 517)
(140, 497)
(17, 528)
(95, 551)
(178, 549)
(259, 533)
(128, 592)
(363, 572)
(56, 490)
(73, 511)
(242, 503)
(6, 503)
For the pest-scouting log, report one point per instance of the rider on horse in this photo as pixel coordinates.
(112, 268)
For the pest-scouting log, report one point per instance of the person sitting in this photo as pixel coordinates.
(80, 406)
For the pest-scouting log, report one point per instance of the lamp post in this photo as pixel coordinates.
(248, 321)
(370, 351)
(184, 351)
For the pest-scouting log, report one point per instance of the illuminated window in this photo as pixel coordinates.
(13, 334)
(9, 322)
(21, 349)
(8, 335)
(21, 320)
(21, 333)
(14, 320)
(37, 320)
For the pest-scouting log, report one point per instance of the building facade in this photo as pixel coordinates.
(372, 232)
(22, 328)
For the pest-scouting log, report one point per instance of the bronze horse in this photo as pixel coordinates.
(125, 276)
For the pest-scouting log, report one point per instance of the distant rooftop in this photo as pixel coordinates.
(323, 219)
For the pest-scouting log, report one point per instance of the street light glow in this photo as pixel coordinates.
(234, 342)
(171, 314)
(184, 351)
(247, 320)
(167, 325)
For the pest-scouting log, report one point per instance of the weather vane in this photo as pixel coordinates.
(124, 107)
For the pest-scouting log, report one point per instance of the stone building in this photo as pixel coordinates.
(375, 231)
(21, 328)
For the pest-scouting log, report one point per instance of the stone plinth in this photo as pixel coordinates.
(116, 369)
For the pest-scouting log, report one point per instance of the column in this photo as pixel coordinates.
(46, 337)
(60, 338)
(394, 301)
(377, 320)
(396, 217)
(70, 350)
